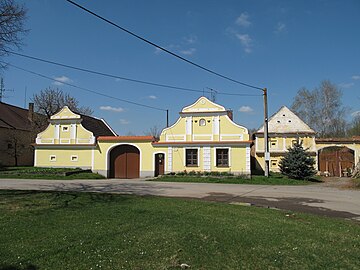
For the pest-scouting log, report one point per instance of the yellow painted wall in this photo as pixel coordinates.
(64, 157)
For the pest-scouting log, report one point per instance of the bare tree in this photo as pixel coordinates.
(322, 109)
(12, 18)
(154, 131)
(51, 100)
(354, 127)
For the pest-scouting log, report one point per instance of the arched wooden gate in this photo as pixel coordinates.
(124, 162)
(337, 161)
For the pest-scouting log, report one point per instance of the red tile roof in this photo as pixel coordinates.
(126, 138)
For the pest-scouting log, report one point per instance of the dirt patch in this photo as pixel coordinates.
(338, 182)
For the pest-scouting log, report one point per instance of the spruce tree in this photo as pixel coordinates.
(297, 163)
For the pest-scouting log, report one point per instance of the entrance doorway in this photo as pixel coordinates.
(337, 161)
(159, 164)
(125, 162)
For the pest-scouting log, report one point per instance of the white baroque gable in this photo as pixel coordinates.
(285, 121)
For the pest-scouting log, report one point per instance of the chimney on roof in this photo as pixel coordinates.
(31, 111)
(230, 114)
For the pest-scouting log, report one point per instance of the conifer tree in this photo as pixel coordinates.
(297, 163)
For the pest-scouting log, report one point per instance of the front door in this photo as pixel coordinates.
(159, 164)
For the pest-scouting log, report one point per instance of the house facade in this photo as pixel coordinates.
(284, 129)
(203, 139)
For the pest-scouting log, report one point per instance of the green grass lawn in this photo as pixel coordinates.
(45, 173)
(274, 179)
(56, 230)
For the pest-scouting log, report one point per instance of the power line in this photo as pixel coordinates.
(121, 77)
(163, 49)
(85, 89)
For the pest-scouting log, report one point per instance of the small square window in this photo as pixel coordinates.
(273, 143)
(52, 158)
(74, 158)
(65, 128)
(273, 163)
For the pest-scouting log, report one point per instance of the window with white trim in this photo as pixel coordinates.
(65, 128)
(222, 157)
(191, 157)
(202, 122)
(52, 158)
(74, 158)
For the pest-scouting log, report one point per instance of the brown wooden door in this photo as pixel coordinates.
(336, 160)
(125, 162)
(159, 164)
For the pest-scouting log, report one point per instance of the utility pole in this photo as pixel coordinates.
(266, 135)
(2, 89)
(167, 118)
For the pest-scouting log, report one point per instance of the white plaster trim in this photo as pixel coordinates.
(107, 159)
(35, 157)
(107, 125)
(57, 132)
(202, 135)
(64, 141)
(168, 128)
(216, 125)
(170, 157)
(73, 131)
(236, 125)
(174, 136)
(207, 155)
(188, 125)
(223, 136)
(218, 107)
(248, 165)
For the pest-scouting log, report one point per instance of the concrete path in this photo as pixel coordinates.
(317, 199)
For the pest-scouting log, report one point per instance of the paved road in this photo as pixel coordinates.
(317, 199)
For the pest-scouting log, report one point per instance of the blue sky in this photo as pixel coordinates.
(281, 45)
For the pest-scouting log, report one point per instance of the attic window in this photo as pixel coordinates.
(278, 121)
(202, 122)
(283, 114)
(74, 158)
(289, 121)
(52, 158)
(65, 128)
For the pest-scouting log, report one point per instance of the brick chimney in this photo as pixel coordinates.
(31, 111)
(230, 114)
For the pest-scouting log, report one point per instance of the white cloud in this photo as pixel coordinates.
(190, 51)
(246, 109)
(355, 114)
(280, 27)
(346, 85)
(245, 41)
(356, 77)
(113, 109)
(62, 79)
(191, 39)
(152, 97)
(124, 122)
(243, 20)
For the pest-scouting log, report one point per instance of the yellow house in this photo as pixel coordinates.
(203, 139)
(285, 128)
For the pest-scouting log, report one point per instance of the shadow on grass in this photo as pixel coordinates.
(10, 267)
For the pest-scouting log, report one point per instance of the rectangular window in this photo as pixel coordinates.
(52, 158)
(274, 163)
(222, 157)
(74, 158)
(191, 157)
(293, 142)
(273, 144)
(65, 128)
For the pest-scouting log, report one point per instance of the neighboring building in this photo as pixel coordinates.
(18, 129)
(204, 138)
(284, 129)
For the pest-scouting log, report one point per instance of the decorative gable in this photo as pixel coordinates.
(203, 105)
(285, 121)
(65, 113)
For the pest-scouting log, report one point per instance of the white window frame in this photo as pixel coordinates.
(215, 157)
(65, 128)
(52, 158)
(198, 157)
(74, 158)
